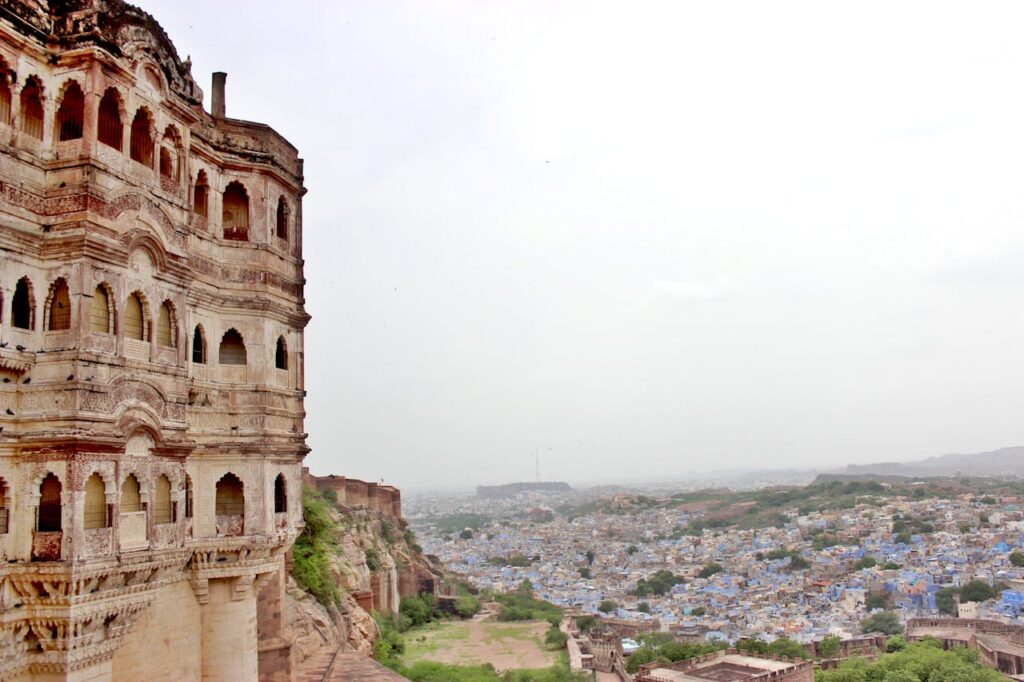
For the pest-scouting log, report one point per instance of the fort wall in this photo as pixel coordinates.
(351, 492)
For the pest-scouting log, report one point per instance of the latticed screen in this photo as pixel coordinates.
(95, 515)
(134, 325)
(60, 308)
(162, 512)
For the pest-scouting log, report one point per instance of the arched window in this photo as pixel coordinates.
(135, 319)
(22, 305)
(282, 218)
(162, 512)
(236, 212)
(166, 328)
(169, 154)
(59, 306)
(188, 496)
(280, 495)
(198, 346)
(101, 313)
(281, 354)
(96, 503)
(199, 195)
(4, 508)
(48, 518)
(32, 108)
(5, 94)
(232, 348)
(71, 114)
(141, 145)
(230, 496)
(131, 498)
(111, 130)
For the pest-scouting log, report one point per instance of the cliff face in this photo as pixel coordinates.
(374, 565)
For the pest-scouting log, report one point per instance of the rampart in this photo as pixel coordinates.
(731, 661)
(352, 492)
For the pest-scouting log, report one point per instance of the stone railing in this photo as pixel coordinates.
(230, 524)
(131, 533)
(46, 545)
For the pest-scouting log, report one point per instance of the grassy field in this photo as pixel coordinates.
(506, 646)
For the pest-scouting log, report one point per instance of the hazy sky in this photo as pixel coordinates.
(645, 238)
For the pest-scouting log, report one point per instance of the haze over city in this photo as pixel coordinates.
(686, 237)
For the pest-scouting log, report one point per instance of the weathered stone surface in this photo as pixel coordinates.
(150, 467)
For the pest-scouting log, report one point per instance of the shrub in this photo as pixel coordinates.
(313, 549)
(467, 605)
(372, 559)
(555, 638)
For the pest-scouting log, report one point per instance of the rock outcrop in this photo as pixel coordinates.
(376, 564)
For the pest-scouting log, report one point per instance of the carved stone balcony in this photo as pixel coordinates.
(46, 545)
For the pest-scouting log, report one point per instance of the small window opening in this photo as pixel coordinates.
(141, 145)
(49, 519)
(162, 511)
(235, 217)
(280, 495)
(232, 348)
(230, 496)
(100, 313)
(71, 114)
(188, 496)
(21, 305)
(281, 355)
(198, 346)
(95, 515)
(134, 319)
(166, 334)
(5, 95)
(111, 130)
(282, 218)
(60, 307)
(4, 508)
(131, 498)
(32, 108)
(199, 195)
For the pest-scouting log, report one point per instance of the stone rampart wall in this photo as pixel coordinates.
(352, 492)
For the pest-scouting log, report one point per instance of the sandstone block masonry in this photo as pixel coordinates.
(151, 359)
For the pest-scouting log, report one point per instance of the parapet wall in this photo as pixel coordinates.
(351, 492)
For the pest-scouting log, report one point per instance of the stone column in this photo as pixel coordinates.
(229, 643)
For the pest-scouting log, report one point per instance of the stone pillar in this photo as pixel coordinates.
(275, 652)
(230, 650)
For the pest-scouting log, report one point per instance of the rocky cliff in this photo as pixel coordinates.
(351, 561)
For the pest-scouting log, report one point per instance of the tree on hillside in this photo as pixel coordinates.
(886, 622)
(607, 606)
(585, 572)
(945, 600)
(829, 646)
(586, 623)
(976, 590)
(710, 570)
(467, 534)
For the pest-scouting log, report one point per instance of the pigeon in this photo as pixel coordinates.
(89, 378)
(20, 347)
(10, 411)
(71, 377)
(27, 380)
(7, 380)
(3, 344)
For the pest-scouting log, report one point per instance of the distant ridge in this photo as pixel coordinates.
(513, 489)
(1003, 462)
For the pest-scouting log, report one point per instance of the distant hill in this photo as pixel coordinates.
(513, 489)
(1002, 462)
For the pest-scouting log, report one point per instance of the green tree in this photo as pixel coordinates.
(699, 611)
(866, 562)
(710, 570)
(585, 572)
(784, 646)
(945, 600)
(876, 600)
(525, 588)
(586, 623)
(467, 534)
(643, 607)
(894, 644)
(976, 590)
(632, 549)
(886, 622)
(829, 646)
(607, 606)
(555, 638)
(467, 605)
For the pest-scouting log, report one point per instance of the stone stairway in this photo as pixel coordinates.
(338, 666)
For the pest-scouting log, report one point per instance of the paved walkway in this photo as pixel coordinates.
(337, 666)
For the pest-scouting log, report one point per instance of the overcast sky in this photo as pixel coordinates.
(643, 238)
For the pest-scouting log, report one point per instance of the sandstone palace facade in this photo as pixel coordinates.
(151, 378)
